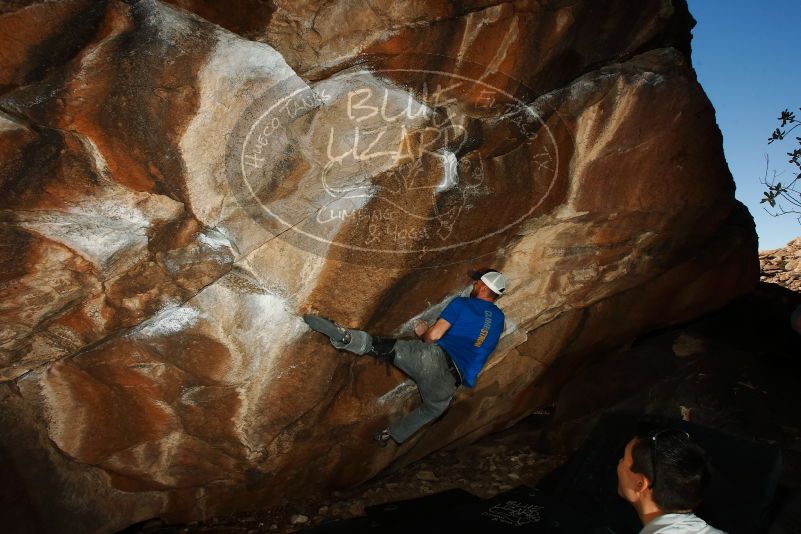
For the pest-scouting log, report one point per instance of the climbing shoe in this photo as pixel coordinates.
(355, 341)
(336, 333)
(382, 437)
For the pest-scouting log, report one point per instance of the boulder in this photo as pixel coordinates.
(178, 191)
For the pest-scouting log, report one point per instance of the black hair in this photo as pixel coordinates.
(675, 466)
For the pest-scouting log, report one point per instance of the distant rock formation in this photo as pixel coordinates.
(782, 265)
(175, 195)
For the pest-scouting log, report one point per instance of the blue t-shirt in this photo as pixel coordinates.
(476, 327)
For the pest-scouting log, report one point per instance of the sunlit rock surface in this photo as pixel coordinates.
(178, 191)
(781, 265)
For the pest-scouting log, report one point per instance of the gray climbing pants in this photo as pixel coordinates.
(427, 365)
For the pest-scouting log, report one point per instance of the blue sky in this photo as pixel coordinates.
(746, 54)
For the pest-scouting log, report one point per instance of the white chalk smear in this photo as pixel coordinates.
(169, 321)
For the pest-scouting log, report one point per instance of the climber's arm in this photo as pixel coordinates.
(436, 331)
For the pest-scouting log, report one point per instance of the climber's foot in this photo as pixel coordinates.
(382, 437)
(337, 334)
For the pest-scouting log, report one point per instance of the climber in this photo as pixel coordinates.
(664, 475)
(449, 353)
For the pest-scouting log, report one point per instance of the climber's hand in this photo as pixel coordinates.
(436, 331)
(420, 328)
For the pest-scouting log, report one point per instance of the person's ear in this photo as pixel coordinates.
(642, 484)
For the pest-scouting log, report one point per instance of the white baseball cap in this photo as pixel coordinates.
(491, 278)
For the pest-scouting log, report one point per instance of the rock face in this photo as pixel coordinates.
(176, 193)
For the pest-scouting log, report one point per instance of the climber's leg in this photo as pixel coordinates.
(425, 363)
(429, 410)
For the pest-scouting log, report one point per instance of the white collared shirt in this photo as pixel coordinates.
(679, 524)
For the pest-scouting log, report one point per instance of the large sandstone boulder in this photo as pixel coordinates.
(176, 193)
